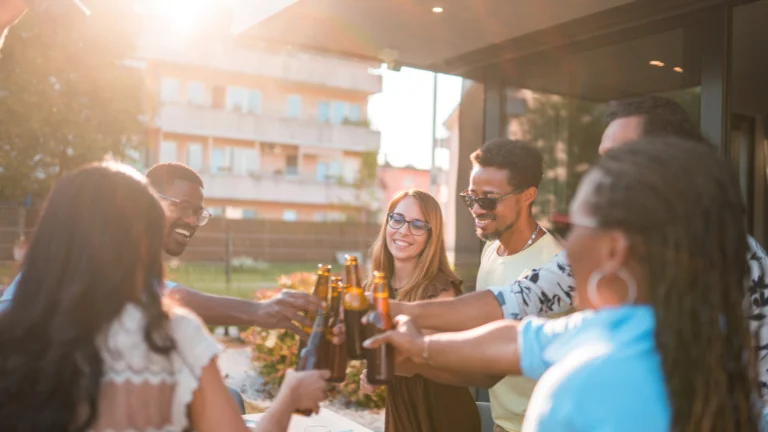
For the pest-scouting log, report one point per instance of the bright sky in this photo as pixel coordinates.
(402, 112)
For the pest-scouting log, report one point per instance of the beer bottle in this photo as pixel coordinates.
(380, 361)
(320, 291)
(337, 354)
(355, 307)
(310, 357)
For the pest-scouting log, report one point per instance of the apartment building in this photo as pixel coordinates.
(275, 134)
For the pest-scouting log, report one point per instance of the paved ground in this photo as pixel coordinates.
(235, 364)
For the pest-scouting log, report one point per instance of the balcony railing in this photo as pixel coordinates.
(280, 189)
(217, 123)
(291, 66)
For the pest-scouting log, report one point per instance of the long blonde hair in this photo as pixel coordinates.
(433, 260)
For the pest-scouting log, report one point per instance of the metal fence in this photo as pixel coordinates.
(220, 239)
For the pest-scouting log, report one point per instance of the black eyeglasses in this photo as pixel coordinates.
(186, 209)
(485, 203)
(417, 227)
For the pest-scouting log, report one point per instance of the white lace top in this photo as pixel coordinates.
(143, 391)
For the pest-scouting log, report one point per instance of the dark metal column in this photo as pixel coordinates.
(715, 75)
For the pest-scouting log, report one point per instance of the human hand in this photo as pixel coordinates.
(282, 311)
(406, 337)
(365, 387)
(305, 390)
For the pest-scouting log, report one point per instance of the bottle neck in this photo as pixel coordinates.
(381, 301)
(353, 276)
(317, 328)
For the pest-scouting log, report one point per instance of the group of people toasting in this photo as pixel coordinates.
(649, 317)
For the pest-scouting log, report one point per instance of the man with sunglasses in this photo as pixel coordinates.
(502, 187)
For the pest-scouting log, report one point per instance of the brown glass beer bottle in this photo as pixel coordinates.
(355, 307)
(380, 361)
(310, 357)
(337, 354)
(320, 291)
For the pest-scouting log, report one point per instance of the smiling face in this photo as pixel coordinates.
(182, 199)
(401, 242)
(492, 182)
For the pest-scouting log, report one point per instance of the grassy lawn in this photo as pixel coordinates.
(211, 278)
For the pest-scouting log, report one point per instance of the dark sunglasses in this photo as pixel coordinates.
(417, 227)
(485, 203)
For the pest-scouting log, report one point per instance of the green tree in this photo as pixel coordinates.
(67, 96)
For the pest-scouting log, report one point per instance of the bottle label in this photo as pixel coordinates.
(354, 299)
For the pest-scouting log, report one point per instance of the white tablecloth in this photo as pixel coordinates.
(326, 418)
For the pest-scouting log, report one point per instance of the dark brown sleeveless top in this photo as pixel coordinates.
(417, 404)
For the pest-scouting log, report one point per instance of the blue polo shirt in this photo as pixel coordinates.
(597, 371)
(7, 298)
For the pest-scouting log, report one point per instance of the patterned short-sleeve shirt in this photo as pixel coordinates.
(549, 290)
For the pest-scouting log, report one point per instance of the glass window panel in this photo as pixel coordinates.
(254, 101)
(294, 106)
(169, 90)
(195, 156)
(338, 112)
(290, 215)
(236, 99)
(323, 111)
(355, 113)
(196, 93)
(168, 152)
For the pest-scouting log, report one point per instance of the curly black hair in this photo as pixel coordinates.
(523, 162)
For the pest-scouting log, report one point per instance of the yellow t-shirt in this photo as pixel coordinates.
(509, 398)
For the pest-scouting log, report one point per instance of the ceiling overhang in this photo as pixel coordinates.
(462, 40)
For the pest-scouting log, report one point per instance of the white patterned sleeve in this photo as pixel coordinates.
(544, 291)
(195, 348)
(758, 299)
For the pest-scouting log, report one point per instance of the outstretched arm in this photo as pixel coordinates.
(279, 312)
(489, 349)
(546, 290)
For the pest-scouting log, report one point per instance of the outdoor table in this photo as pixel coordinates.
(324, 421)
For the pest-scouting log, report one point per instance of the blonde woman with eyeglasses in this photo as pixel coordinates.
(410, 250)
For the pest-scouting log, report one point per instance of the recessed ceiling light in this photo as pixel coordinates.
(437, 9)
(656, 63)
(677, 69)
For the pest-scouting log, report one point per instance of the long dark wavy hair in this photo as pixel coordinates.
(97, 247)
(681, 206)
